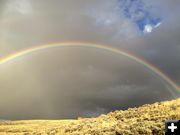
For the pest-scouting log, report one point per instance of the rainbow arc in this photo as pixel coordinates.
(174, 92)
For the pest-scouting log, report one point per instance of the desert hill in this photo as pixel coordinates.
(147, 119)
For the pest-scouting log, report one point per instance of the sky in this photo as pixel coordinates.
(79, 81)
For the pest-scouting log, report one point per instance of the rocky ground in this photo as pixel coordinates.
(145, 120)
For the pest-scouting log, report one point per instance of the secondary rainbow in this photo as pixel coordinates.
(98, 46)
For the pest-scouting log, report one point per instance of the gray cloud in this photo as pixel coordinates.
(71, 82)
(57, 83)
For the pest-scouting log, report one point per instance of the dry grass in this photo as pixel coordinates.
(145, 120)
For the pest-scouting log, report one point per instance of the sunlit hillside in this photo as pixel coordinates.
(148, 119)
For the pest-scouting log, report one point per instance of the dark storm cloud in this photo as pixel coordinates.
(162, 46)
(71, 82)
(106, 84)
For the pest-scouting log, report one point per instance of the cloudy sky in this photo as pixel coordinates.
(68, 82)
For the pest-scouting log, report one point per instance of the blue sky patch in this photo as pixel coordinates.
(140, 14)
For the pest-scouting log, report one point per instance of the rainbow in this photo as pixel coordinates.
(98, 46)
